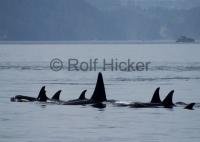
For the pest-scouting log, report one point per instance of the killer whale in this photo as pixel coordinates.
(81, 97)
(156, 102)
(42, 97)
(57, 100)
(56, 96)
(97, 98)
(156, 96)
(189, 106)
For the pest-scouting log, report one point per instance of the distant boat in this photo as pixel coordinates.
(184, 39)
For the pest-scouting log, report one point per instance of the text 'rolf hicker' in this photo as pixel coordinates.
(73, 64)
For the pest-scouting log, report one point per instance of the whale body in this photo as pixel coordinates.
(99, 99)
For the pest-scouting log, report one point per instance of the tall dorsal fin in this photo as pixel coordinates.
(168, 102)
(156, 96)
(190, 106)
(56, 96)
(42, 95)
(82, 96)
(99, 94)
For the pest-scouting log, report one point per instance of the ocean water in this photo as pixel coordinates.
(25, 68)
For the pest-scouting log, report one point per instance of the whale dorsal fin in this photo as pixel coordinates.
(82, 96)
(168, 101)
(156, 96)
(99, 94)
(190, 106)
(56, 96)
(42, 95)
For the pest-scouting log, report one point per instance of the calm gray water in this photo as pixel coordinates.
(25, 68)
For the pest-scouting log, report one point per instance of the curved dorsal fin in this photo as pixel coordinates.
(42, 95)
(156, 96)
(99, 94)
(56, 96)
(168, 102)
(82, 96)
(190, 106)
